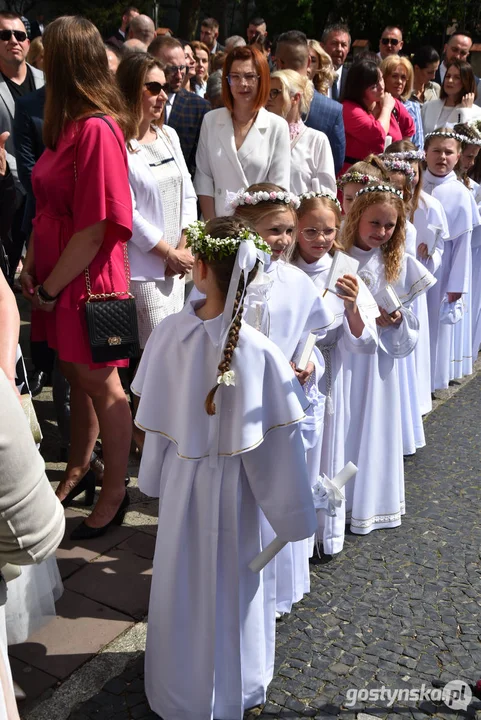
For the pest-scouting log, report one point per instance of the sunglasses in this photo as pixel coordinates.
(390, 41)
(155, 88)
(19, 35)
(171, 69)
(274, 93)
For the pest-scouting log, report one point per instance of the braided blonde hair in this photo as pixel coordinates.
(222, 267)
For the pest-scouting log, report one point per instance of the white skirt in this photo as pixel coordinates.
(31, 600)
(155, 300)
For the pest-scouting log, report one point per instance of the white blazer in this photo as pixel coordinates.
(148, 211)
(311, 157)
(430, 112)
(264, 156)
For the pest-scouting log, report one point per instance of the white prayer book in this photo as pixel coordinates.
(303, 354)
(342, 264)
(388, 299)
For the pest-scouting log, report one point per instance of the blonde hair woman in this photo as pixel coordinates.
(398, 74)
(321, 70)
(35, 53)
(312, 163)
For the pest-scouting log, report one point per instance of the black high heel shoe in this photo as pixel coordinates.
(87, 483)
(85, 532)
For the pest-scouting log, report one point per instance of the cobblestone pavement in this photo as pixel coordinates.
(399, 608)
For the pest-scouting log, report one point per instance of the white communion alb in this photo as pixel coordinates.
(211, 628)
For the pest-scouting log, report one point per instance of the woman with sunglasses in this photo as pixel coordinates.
(372, 117)
(164, 200)
(312, 164)
(456, 102)
(241, 143)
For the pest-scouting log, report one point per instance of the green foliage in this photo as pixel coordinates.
(106, 16)
(421, 21)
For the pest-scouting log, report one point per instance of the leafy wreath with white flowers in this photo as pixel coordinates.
(211, 247)
(407, 155)
(246, 198)
(400, 166)
(321, 194)
(380, 188)
(450, 135)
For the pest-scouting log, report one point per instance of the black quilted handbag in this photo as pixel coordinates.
(112, 323)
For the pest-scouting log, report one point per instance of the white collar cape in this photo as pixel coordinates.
(413, 280)
(458, 202)
(179, 368)
(318, 272)
(430, 216)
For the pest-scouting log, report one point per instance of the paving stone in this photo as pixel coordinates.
(119, 579)
(82, 627)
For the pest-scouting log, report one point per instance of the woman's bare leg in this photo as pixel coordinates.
(84, 431)
(111, 409)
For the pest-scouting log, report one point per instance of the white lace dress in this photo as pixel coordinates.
(155, 299)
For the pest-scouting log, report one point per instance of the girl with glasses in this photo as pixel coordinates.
(285, 306)
(241, 143)
(354, 329)
(311, 156)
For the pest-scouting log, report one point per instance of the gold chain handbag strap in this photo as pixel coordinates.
(105, 296)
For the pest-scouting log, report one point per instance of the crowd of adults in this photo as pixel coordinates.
(133, 137)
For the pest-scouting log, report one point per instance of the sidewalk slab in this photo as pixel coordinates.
(33, 681)
(81, 628)
(119, 579)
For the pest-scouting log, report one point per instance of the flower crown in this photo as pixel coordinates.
(401, 166)
(471, 141)
(450, 134)
(211, 247)
(407, 155)
(320, 194)
(247, 198)
(380, 188)
(355, 177)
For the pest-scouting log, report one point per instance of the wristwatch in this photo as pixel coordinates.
(44, 298)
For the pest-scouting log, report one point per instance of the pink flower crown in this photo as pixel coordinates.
(401, 166)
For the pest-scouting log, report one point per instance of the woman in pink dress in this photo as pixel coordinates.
(371, 115)
(83, 220)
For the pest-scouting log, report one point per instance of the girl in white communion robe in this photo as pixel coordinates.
(214, 466)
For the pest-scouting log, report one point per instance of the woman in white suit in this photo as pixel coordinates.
(312, 164)
(163, 197)
(241, 143)
(456, 102)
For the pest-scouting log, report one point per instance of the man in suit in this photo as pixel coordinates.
(209, 32)
(256, 28)
(292, 53)
(142, 28)
(391, 42)
(184, 111)
(120, 35)
(17, 78)
(336, 41)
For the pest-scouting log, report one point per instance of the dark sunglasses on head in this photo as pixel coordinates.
(155, 88)
(390, 41)
(19, 35)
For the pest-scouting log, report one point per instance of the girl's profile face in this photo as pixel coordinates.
(415, 180)
(397, 180)
(468, 157)
(442, 155)
(317, 231)
(277, 229)
(376, 226)
(348, 194)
